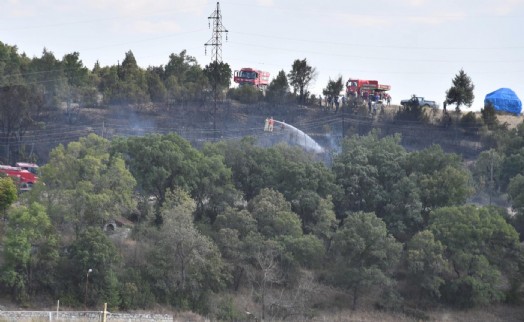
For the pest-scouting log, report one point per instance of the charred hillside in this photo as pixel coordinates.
(199, 123)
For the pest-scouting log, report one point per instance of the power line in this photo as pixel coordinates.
(360, 45)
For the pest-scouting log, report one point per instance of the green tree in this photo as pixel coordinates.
(214, 190)
(333, 89)
(426, 264)
(241, 221)
(184, 264)
(179, 65)
(47, 72)
(185, 79)
(30, 252)
(159, 163)
(307, 250)
(97, 185)
(286, 169)
(19, 106)
(109, 83)
(516, 194)
(316, 213)
(133, 84)
(274, 216)
(366, 169)
(363, 254)
(219, 75)
(92, 250)
(245, 94)
(278, 89)
(480, 246)
(155, 85)
(164, 162)
(489, 116)
(300, 77)
(512, 165)
(461, 92)
(233, 229)
(74, 70)
(512, 140)
(403, 210)
(486, 171)
(8, 194)
(78, 83)
(11, 65)
(441, 178)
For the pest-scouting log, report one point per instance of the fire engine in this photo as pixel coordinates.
(365, 88)
(24, 174)
(31, 167)
(253, 77)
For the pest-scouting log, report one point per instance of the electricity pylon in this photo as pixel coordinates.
(216, 39)
(216, 54)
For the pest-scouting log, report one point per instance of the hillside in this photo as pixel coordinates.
(288, 204)
(200, 123)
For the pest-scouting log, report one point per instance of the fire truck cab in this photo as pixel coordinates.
(31, 167)
(253, 77)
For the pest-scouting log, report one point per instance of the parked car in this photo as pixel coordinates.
(415, 101)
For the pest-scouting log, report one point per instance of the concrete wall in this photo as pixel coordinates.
(40, 316)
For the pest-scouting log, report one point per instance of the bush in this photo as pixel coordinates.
(245, 94)
(470, 123)
(489, 116)
(411, 113)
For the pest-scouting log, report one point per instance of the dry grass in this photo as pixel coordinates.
(490, 314)
(512, 120)
(436, 114)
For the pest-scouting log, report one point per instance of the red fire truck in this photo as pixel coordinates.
(253, 77)
(24, 174)
(365, 88)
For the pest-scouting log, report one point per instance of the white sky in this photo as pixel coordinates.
(416, 46)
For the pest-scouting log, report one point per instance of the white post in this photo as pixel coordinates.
(57, 308)
(105, 312)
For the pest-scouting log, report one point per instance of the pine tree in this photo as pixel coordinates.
(461, 93)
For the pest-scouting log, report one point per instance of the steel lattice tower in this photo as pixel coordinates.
(216, 39)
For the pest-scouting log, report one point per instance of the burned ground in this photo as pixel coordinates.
(229, 121)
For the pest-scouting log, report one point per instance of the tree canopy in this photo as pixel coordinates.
(461, 92)
(300, 77)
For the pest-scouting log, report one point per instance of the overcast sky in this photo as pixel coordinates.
(416, 46)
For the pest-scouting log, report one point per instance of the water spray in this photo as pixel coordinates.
(299, 137)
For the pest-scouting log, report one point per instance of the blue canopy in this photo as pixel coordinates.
(504, 99)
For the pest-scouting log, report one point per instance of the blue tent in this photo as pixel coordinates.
(504, 99)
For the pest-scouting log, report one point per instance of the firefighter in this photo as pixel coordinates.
(271, 123)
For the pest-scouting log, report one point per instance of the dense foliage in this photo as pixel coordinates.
(146, 220)
(234, 216)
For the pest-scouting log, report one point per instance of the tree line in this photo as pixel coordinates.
(381, 222)
(31, 88)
